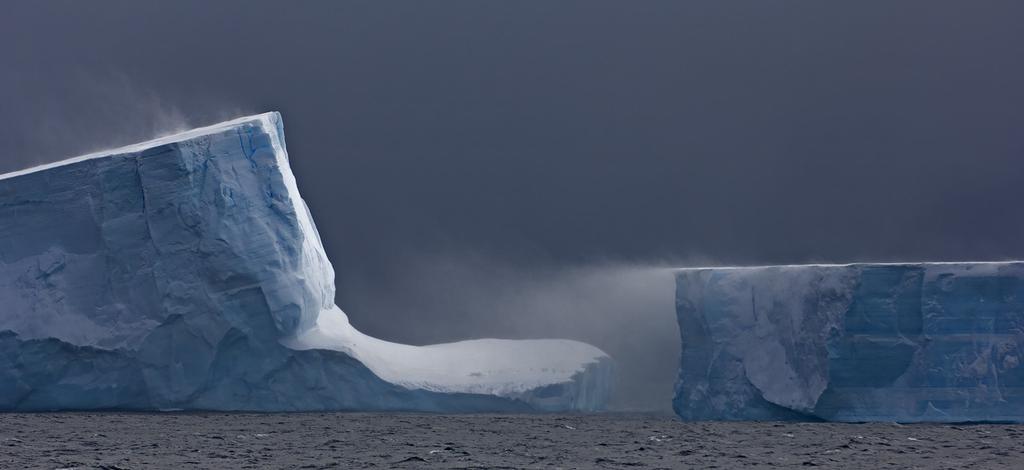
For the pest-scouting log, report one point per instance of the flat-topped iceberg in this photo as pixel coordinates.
(187, 273)
(862, 342)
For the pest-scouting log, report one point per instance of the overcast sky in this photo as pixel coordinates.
(445, 144)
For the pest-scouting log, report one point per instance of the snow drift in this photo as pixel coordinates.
(186, 273)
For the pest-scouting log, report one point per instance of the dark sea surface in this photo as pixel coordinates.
(361, 440)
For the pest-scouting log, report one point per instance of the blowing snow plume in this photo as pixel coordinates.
(625, 309)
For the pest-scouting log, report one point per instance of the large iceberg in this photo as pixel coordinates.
(187, 273)
(860, 342)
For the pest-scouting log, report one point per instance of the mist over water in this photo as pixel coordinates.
(627, 310)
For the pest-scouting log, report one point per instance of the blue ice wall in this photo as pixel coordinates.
(892, 342)
(163, 276)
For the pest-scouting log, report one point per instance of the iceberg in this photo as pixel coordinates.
(913, 342)
(187, 273)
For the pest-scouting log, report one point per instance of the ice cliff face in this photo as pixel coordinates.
(890, 342)
(170, 274)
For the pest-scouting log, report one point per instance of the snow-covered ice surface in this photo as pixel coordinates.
(860, 342)
(487, 366)
(172, 274)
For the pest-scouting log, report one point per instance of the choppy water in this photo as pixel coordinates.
(345, 440)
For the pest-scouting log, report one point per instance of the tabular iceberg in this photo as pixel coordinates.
(187, 273)
(862, 342)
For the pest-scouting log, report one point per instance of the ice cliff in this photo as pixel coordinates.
(862, 342)
(187, 273)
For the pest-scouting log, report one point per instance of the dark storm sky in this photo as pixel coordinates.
(541, 134)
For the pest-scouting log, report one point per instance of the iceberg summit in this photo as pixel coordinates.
(939, 342)
(186, 273)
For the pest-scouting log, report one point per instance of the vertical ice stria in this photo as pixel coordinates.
(861, 342)
(187, 273)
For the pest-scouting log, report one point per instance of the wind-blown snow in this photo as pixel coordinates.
(264, 119)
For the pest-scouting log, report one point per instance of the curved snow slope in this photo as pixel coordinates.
(169, 274)
(857, 342)
(488, 366)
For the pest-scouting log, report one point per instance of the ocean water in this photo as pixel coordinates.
(360, 440)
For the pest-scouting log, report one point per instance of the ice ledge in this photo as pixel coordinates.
(507, 368)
